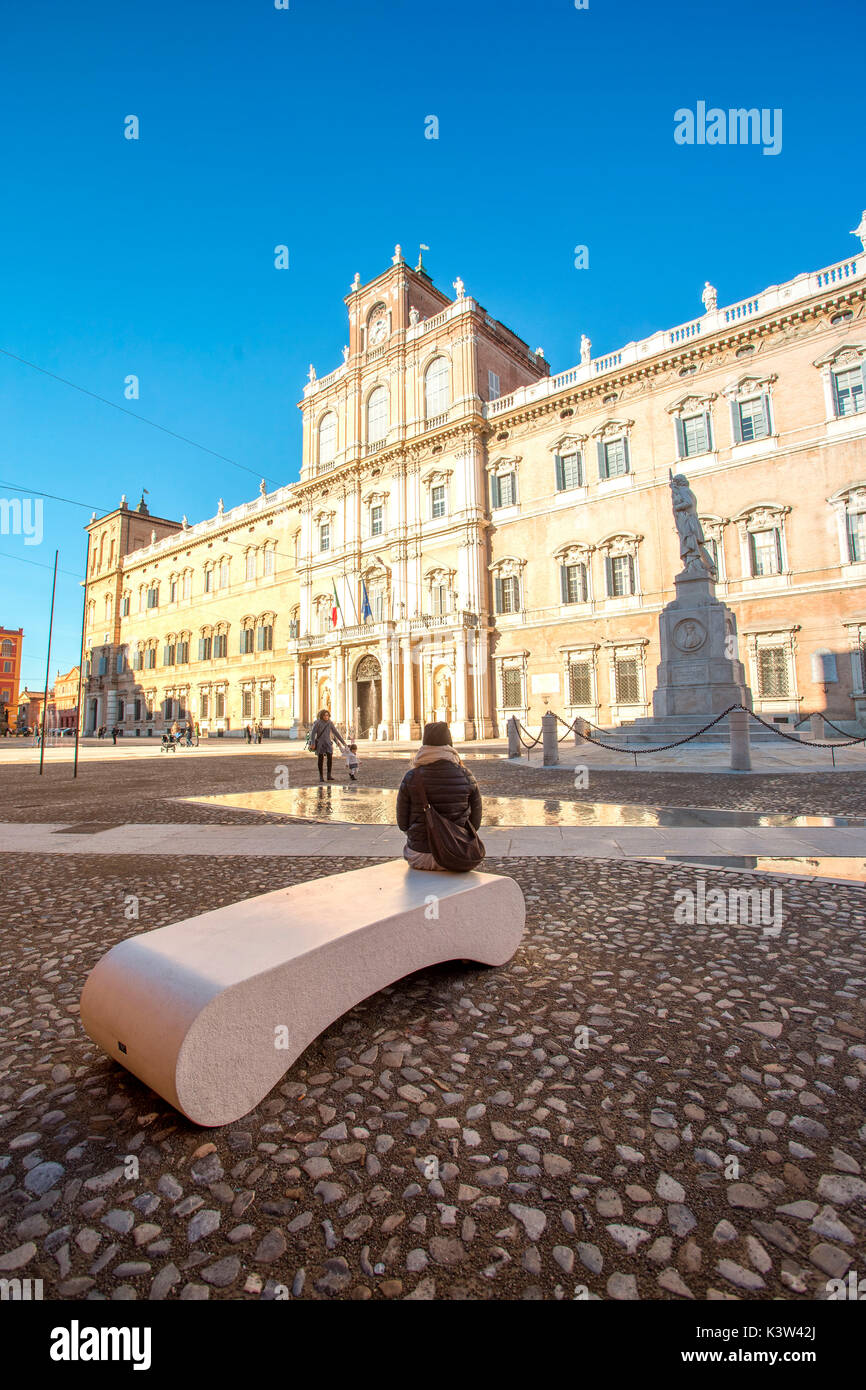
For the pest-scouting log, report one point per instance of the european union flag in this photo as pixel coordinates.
(366, 606)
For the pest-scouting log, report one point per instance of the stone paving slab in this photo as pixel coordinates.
(630, 1108)
(269, 841)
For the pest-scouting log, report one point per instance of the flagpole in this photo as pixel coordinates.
(354, 609)
(47, 668)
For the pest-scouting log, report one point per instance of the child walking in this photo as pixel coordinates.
(351, 756)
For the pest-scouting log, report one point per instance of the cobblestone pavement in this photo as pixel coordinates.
(141, 791)
(453, 1137)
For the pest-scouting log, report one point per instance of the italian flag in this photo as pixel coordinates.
(335, 608)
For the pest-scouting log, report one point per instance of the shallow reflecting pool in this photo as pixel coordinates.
(852, 870)
(376, 806)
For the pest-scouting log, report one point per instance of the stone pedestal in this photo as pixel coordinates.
(699, 673)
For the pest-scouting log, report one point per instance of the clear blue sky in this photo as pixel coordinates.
(306, 127)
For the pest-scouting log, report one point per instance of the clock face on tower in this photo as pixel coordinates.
(378, 329)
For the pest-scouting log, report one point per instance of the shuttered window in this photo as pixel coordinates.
(573, 585)
(848, 391)
(856, 536)
(766, 549)
(507, 595)
(569, 471)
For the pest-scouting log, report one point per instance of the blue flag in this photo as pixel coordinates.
(366, 607)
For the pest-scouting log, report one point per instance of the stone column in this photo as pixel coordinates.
(387, 688)
(513, 737)
(741, 758)
(409, 727)
(462, 727)
(336, 692)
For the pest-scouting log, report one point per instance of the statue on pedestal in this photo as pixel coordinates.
(861, 230)
(710, 298)
(585, 349)
(693, 553)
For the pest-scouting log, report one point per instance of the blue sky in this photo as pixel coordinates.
(305, 127)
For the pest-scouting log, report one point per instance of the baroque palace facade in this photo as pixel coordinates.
(472, 537)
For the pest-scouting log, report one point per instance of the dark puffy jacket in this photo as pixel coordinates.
(451, 790)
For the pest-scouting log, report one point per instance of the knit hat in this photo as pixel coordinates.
(437, 735)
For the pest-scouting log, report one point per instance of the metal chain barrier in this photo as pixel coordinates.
(689, 738)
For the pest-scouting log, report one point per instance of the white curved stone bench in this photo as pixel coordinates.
(211, 1012)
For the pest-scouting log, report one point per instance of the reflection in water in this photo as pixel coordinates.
(851, 870)
(376, 806)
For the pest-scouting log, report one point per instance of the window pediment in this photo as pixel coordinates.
(612, 429)
(568, 443)
(853, 496)
(762, 515)
(577, 552)
(621, 543)
(845, 355)
(502, 466)
(691, 404)
(509, 567)
(435, 476)
(749, 385)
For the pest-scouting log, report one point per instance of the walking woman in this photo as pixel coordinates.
(451, 790)
(321, 740)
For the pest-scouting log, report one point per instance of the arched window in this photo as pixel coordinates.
(377, 415)
(436, 396)
(327, 437)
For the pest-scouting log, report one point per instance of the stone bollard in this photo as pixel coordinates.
(549, 745)
(738, 724)
(513, 737)
(581, 726)
(816, 727)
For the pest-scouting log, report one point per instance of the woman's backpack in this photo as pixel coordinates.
(456, 848)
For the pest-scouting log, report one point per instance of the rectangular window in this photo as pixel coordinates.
(573, 583)
(753, 420)
(512, 687)
(124, 606)
(773, 672)
(695, 435)
(569, 471)
(187, 585)
(172, 591)
(376, 521)
(220, 704)
(440, 599)
(182, 653)
(615, 458)
(626, 680)
(248, 704)
(221, 644)
(168, 653)
(848, 391)
(766, 548)
(268, 561)
(250, 565)
(203, 705)
(580, 683)
(620, 576)
(150, 659)
(265, 702)
(493, 391)
(247, 640)
(325, 536)
(121, 663)
(137, 661)
(205, 646)
(103, 665)
(508, 595)
(856, 536)
(507, 490)
(265, 638)
(152, 597)
(224, 574)
(208, 581)
(437, 501)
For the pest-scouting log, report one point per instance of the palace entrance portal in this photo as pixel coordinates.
(367, 704)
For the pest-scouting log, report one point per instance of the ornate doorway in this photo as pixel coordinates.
(367, 705)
